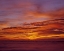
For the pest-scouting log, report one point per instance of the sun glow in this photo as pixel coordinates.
(35, 35)
(32, 35)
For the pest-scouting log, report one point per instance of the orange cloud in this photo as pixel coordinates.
(3, 24)
(32, 32)
(59, 13)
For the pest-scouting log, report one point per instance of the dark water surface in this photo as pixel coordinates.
(31, 45)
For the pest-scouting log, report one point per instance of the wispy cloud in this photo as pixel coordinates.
(57, 14)
(3, 24)
(15, 12)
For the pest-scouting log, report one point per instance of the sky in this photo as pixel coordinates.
(16, 12)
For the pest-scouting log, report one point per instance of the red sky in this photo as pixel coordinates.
(15, 12)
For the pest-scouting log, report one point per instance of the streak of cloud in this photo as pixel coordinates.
(57, 14)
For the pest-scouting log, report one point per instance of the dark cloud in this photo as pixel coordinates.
(1, 36)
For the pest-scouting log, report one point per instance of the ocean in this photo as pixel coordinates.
(31, 45)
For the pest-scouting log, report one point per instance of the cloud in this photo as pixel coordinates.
(16, 12)
(57, 14)
(1, 36)
(3, 24)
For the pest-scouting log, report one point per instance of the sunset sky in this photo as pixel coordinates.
(31, 25)
(16, 12)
